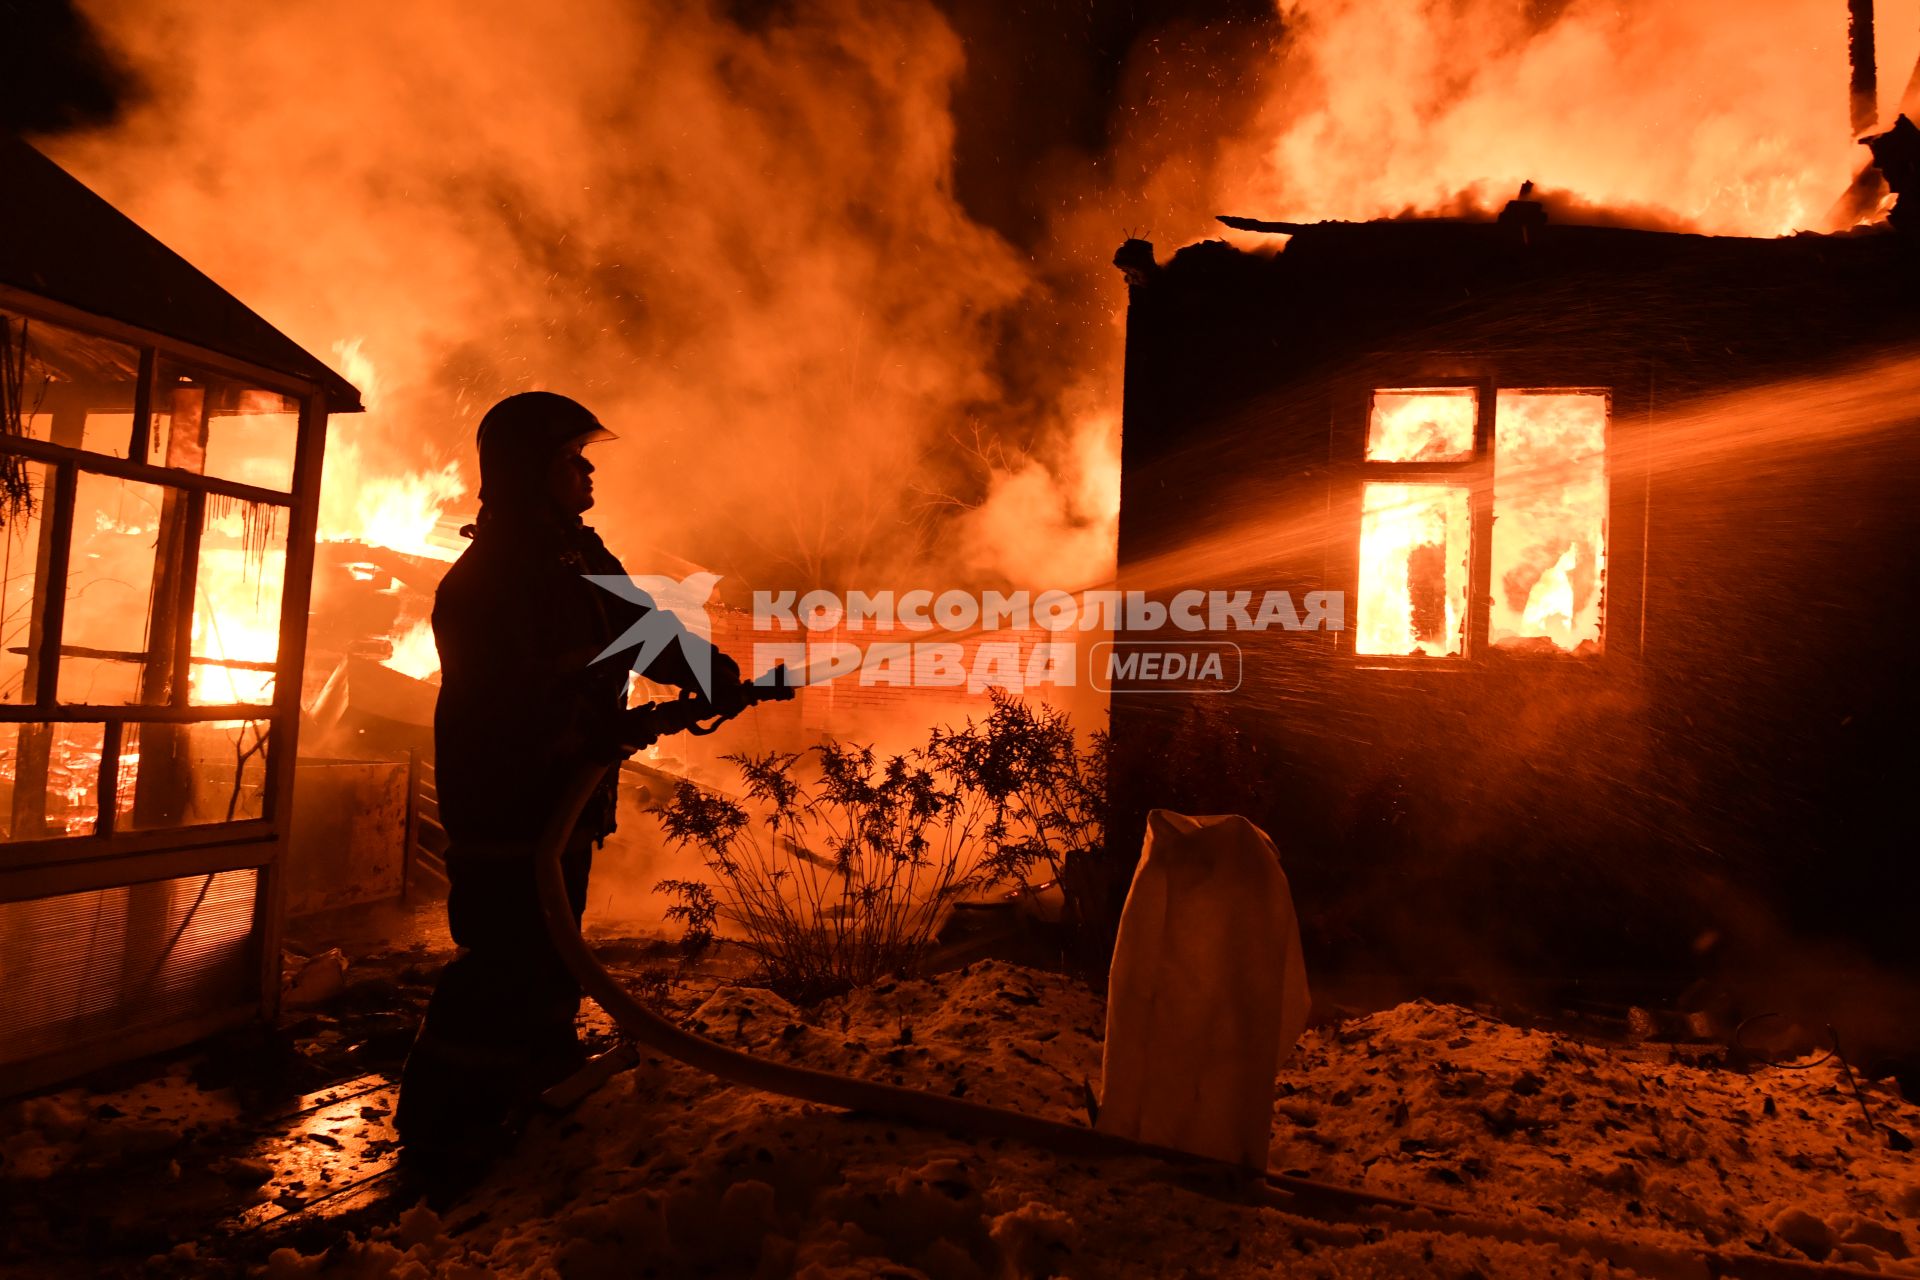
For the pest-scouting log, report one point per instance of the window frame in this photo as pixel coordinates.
(24, 864)
(1348, 443)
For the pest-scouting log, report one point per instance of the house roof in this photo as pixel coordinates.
(1721, 307)
(60, 241)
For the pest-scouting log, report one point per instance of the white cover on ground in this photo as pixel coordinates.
(1208, 990)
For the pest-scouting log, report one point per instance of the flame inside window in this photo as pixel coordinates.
(1414, 541)
(1549, 521)
(1434, 425)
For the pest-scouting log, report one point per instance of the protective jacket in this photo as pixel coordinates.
(521, 699)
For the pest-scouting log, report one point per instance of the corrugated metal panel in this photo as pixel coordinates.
(85, 966)
(349, 841)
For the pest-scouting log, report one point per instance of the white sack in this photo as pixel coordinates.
(1208, 990)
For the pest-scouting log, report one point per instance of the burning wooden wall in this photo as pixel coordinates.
(161, 452)
(1623, 522)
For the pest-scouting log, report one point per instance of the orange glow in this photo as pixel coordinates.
(236, 618)
(1422, 426)
(398, 510)
(415, 653)
(1414, 541)
(1685, 113)
(1550, 520)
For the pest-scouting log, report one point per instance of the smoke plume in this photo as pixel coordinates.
(837, 270)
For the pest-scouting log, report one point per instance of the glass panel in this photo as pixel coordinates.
(50, 776)
(236, 605)
(20, 558)
(1433, 424)
(1549, 521)
(117, 525)
(185, 775)
(78, 389)
(219, 426)
(1414, 545)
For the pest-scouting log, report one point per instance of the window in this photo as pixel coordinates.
(143, 551)
(1483, 522)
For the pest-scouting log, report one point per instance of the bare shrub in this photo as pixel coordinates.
(836, 868)
(1048, 797)
(832, 881)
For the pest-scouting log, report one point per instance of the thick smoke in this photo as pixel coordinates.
(740, 246)
(59, 75)
(838, 269)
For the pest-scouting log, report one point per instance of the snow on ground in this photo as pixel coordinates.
(667, 1172)
(1437, 1103)
(74, 1128)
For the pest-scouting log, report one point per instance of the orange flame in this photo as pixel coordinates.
(1413, 569)
(1550, 517)
(1696, 114)
(415, 653)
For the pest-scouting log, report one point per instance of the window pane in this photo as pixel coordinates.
(219, 426)
(186, 775)
(1414, 545)
(1422, 425)
(236, 605)
(78, 389)
(110, 587)
(50, 775)
(20, 555)
(1549, 521)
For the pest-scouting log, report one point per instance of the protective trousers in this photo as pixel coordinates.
(500, 1024)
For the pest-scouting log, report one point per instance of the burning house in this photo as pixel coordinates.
(160, 452)
(1621, 524)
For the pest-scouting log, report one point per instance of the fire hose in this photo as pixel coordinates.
(1304, 1197)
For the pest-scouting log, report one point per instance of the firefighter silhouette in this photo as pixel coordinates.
(523, 705)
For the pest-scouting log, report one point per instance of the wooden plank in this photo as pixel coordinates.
(295, 601)
(187, 580)
(33, 746)
(107, 788)
(41, 868)
(111, 713)
(52, 589)
(129, 655)
(143, 405)
(126, 469)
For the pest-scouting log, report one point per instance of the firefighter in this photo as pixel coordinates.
(522, 703)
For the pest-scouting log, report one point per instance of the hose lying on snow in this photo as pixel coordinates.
(643, 1025)
(1302, 1196)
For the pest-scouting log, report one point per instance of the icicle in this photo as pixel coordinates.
(16, 489)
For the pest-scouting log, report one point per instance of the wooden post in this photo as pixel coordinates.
(163, 790)
(303, 525)
(41, 682)
(1864, 91)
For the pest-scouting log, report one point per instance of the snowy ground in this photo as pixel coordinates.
(667, 1172)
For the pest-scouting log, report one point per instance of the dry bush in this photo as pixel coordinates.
(838, 872)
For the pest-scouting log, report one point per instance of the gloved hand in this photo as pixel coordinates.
(724, 684)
